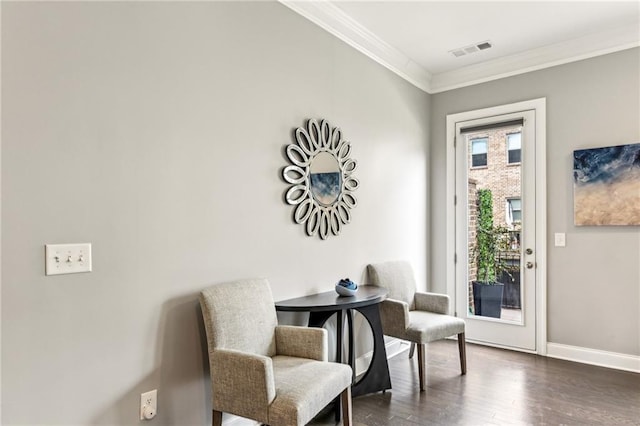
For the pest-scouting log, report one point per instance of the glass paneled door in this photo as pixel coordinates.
(496, 229)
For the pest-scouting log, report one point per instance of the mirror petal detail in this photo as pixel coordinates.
(344, 151)
(321, 179)
(296, 194)
(297, 156)
(294, 175)
(351, 183)
(303, 211)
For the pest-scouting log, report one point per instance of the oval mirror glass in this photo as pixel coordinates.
(325, 178)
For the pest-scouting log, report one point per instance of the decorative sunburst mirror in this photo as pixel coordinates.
(321, 179)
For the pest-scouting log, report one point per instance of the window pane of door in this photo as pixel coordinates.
(495, 223)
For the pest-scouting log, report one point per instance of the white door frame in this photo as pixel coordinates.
(539, 106)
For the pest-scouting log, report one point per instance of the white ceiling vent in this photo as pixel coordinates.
(461, 51)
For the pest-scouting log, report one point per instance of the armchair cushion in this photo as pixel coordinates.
(303, 342)
(244, 383)
(297, 402)
(425, 327)
(432, 302)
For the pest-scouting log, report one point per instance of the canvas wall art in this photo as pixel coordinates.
(606, 185)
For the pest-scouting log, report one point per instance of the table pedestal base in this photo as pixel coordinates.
(376, 378)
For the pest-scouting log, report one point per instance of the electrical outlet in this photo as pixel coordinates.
(148, 404)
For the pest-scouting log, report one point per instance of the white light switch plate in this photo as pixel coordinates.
(67, 258)
(560, 240)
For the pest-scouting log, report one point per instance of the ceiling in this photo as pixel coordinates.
(415, 38)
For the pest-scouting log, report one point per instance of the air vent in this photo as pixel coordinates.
(466, 50)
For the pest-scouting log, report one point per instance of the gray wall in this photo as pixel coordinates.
(156, 132)
(594, 282)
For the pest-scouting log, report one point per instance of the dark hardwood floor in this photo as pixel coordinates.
(500, 388)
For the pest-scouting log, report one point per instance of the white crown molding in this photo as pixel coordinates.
(334, 20)
(614, 360)
(590, 46)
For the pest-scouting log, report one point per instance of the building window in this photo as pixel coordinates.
(514, 210)
(514, 142)
(479, 152)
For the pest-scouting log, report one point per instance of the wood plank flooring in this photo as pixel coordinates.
(500, 388)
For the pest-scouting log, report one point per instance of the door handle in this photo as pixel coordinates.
(529, 265)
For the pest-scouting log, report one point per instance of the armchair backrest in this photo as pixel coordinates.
(397, 277)
(240, 315)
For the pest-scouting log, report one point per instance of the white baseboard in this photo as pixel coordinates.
(396, 346)
(232, 420)
(597, 357)
(614, 360)
(392, 346)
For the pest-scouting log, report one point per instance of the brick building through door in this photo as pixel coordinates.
(494, 163)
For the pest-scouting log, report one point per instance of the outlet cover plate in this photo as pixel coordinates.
(148, 398)
(67, 258)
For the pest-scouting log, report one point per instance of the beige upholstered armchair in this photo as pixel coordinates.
(414, 316)
(276, 375)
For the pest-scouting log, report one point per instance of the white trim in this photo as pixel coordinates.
(578, 49)
(332, 19)
(450, 209)
(0, 239)
(539, 106)
(495, 345)
(232, 419)
(392, 346)
(396, 346)
(597, 357)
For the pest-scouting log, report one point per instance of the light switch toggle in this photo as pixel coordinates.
(77, 258)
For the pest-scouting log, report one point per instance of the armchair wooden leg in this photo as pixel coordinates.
(421, 365)
(217, 418)
(412, 349)
(463, 353)
(347, 416)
